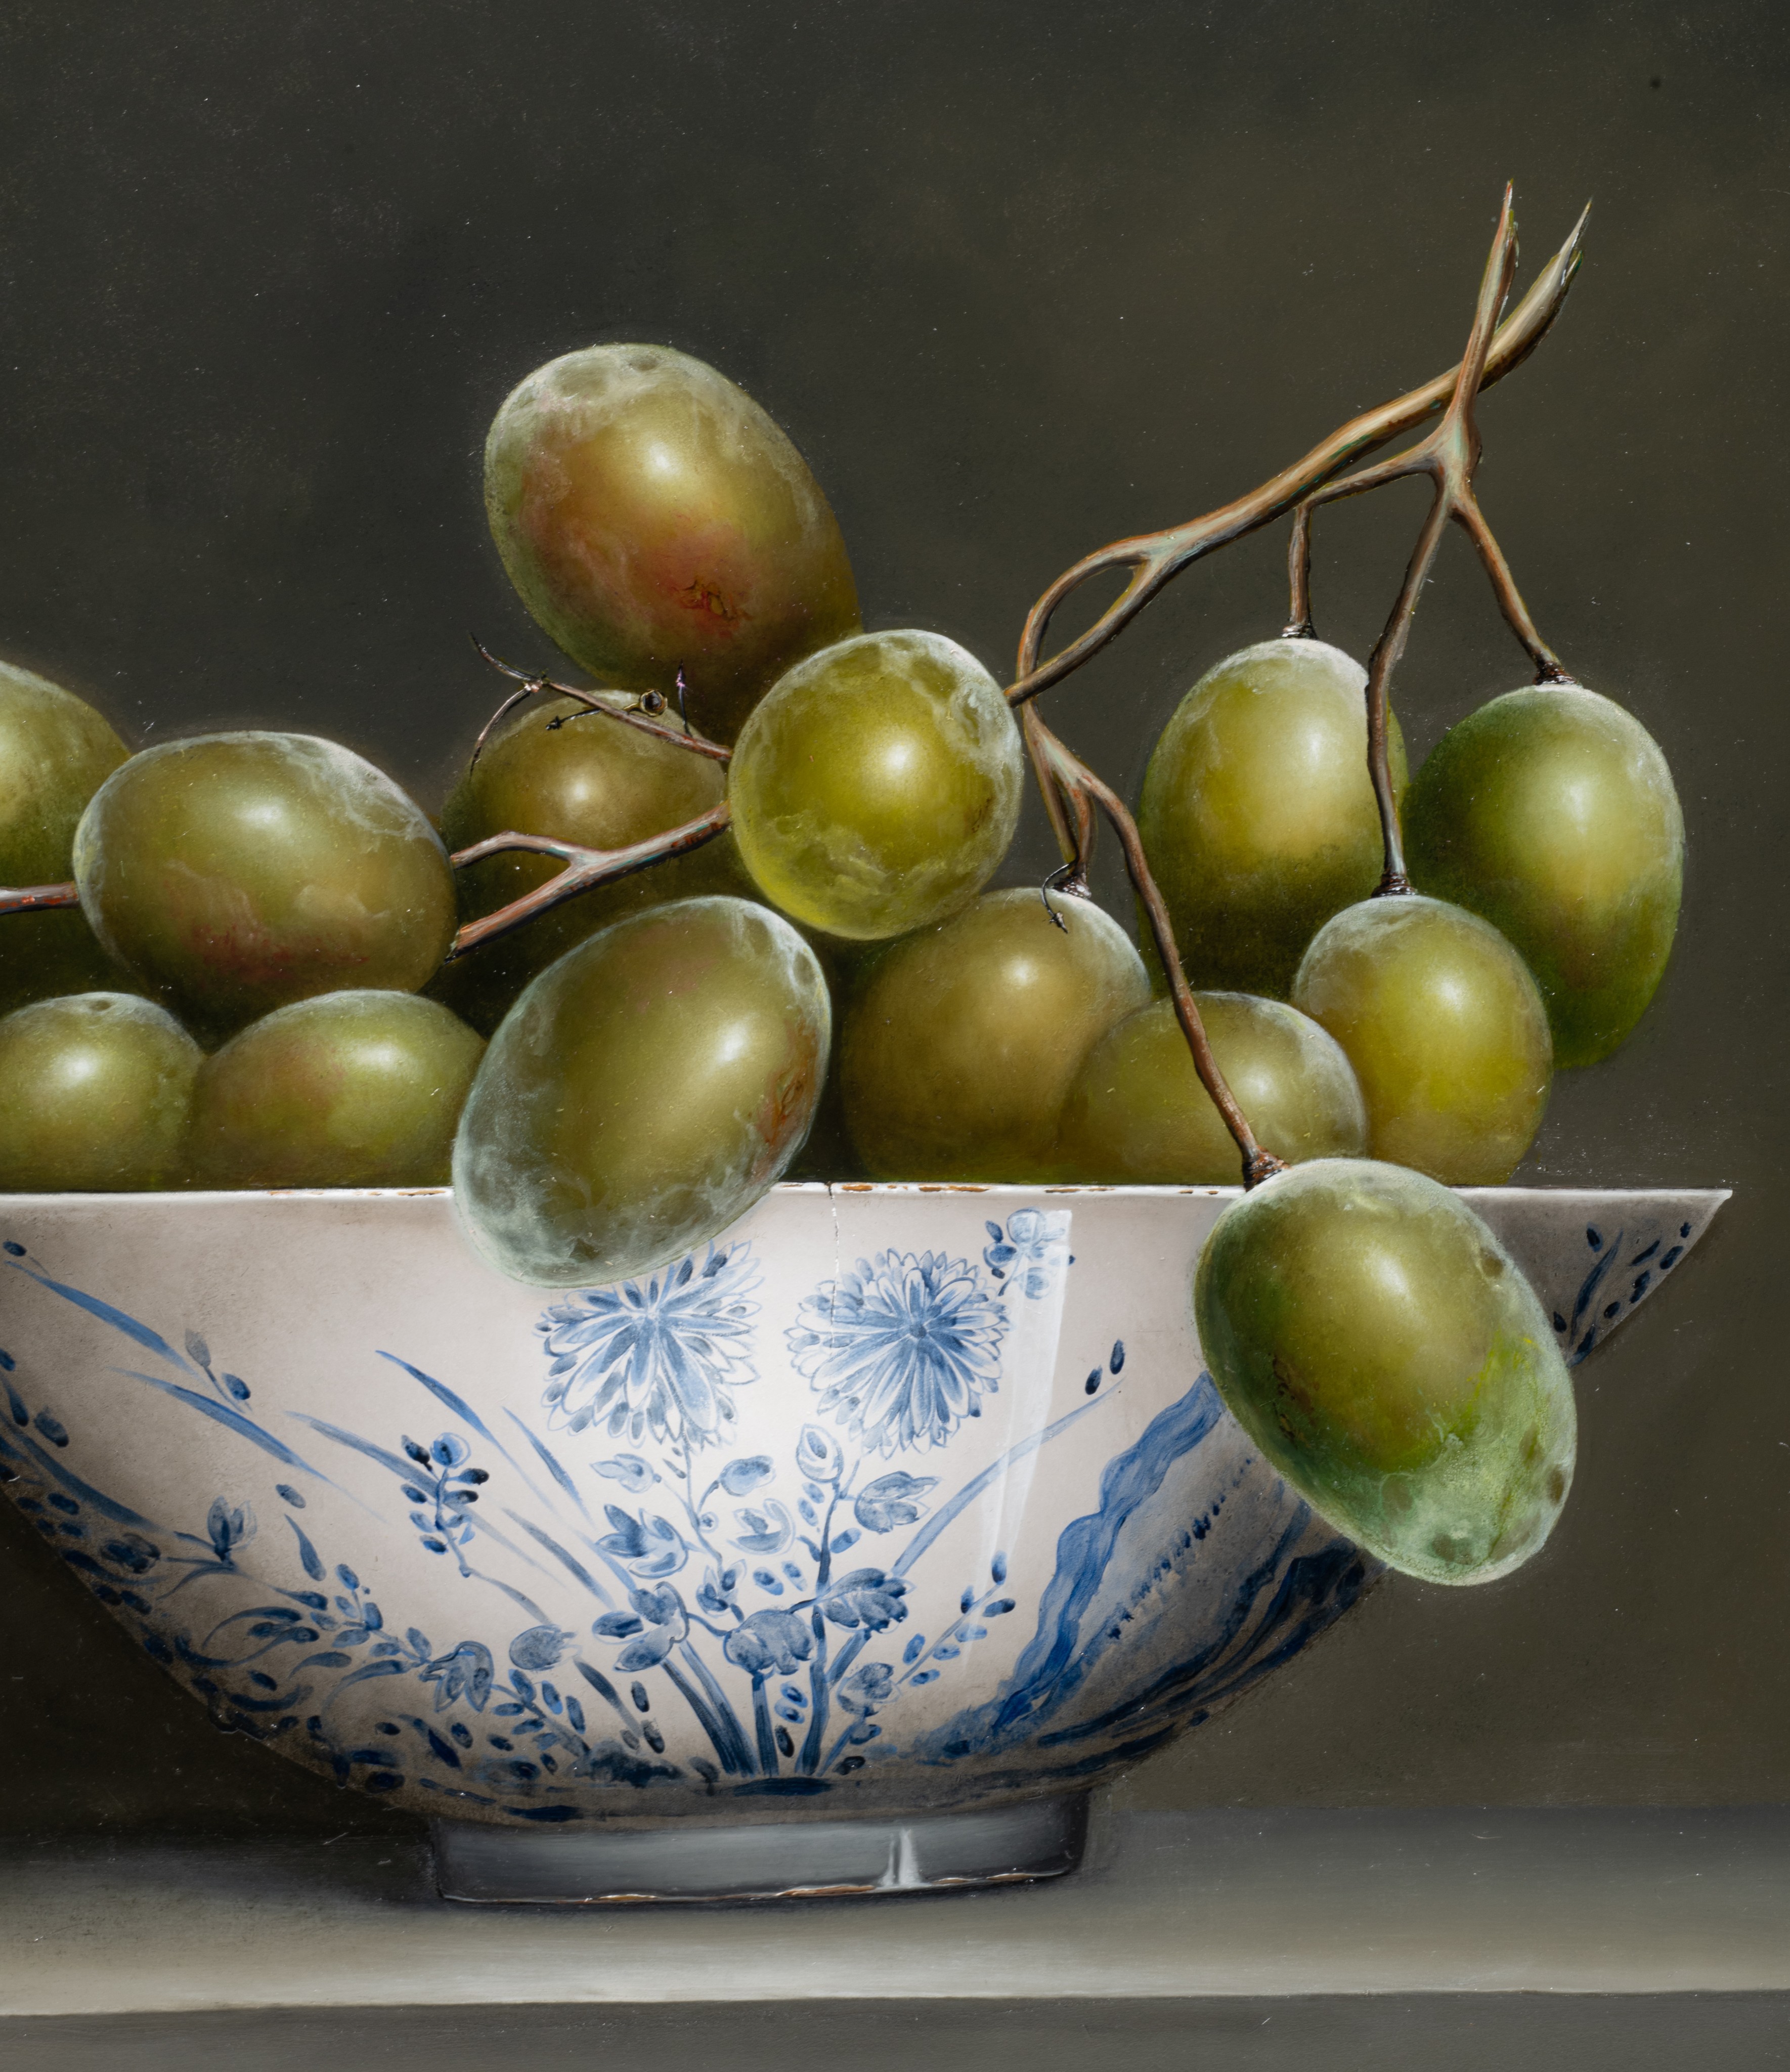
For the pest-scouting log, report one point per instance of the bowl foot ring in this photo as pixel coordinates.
(1041, 1838)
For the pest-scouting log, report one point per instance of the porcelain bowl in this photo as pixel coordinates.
(892, 1505)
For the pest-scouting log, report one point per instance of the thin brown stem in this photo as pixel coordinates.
(1549, 668)
(37, 899)
(640, 718)
(1155, 557)
(1076, 782)
(585, 868)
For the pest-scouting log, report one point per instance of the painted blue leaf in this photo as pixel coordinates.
(840, 1541)
(616, 1625)
(237, 1387)
(197, 1350)
(645, 1653)
(1117, 1361)
(307, 1555)
(346, 1577)
(741, 1478)
(52, 1427)
(997, 1568)
(914, 1649)
(997, 1608)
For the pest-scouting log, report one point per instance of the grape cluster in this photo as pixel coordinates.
(727, 917)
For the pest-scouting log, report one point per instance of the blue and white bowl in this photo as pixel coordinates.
(842, 1555)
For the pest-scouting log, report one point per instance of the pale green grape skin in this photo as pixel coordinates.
(588, 779)
(360, 1088)
(877, 786)
(1551, 812)
(96, 1089)
(1137, 1114)
(56, 751)
(960, 1046)
(644, 1092)
(1445, 1029)
(1258, 814)
(234, 873)
(1378, 1343)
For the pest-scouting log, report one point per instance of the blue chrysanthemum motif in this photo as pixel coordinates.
(902, 1349)
(661, 1355)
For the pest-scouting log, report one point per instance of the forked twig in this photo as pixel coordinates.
(1448, 456)
(1154, 558)
(584, 869)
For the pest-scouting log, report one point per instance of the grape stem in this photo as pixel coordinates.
(585, 868)
(1081, 791)
(639, 716)
(1154, 558)
(37, 899)
(1449, 456)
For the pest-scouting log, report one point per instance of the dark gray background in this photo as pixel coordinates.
(1018, 278)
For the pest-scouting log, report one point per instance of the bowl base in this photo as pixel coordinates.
(1041, 1838)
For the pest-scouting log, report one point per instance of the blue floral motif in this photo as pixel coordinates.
(902, 1349)
(660, 1356)
(1029, 1252)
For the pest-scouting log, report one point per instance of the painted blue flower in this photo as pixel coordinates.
(662, 1356)
(768, 1642)
(893, 1500)
(902, 1349)
(866, 1688)
(540, 1647)
(1026, 1254)
(465, 1672)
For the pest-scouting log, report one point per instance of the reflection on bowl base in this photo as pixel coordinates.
(1038, 1838)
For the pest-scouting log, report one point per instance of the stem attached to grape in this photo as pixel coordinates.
(1156, 558)
(585, 868)
(1449, 456)
(1080, 790)
(37, 899)
(640, 716)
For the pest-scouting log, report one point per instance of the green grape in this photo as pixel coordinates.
(642, 1093)
(589, 780)
(97, 1087)
(653, 518)
(237, 872)
(1551, 812)
(959, 1050)
(1378, 1343)
(1258, 814)
(875, 789)
(356, 1089)
(54, 753)
(1138, 1115)
(1445, 1029)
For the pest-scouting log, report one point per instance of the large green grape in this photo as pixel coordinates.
(586, 779)
(959, 1047)
(1445, 1029)
(1137, 1114)
(642, 1093)
(1258, 814)
(95, 1092)
(654, 519)
(236, 872)
(356, 1089)
(1551, 811)
(875, 788)
(54, 753)
(1378, 1343)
